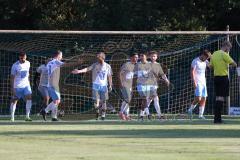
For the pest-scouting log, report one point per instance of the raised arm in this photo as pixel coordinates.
(76, 71)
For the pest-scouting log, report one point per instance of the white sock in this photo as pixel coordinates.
(49, 107)
(104, 108)
(141, 113)
(146, 110)
(149, 101)
(192, 107)
(28, 108)
(12, 109)
(54, 109)
(157, 106)
(201, 110)
(123, 106)
(126, 111)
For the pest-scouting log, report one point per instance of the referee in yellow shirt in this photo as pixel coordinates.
(220, 62)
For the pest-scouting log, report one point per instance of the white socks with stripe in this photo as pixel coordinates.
(28, 108)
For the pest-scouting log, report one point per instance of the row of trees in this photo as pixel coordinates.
(120, 14)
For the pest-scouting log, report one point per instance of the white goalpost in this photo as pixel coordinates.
(176, 51)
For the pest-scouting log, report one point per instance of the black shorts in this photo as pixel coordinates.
(221, 85)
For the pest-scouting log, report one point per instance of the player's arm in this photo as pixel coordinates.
(229, 60)
(78, 71)
(121, 75)
(12, 77)
(193, 76)
(84, 70)
(164, 77)
(163, 74)
(110, 79)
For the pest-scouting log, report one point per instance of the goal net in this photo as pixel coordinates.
(176, 52)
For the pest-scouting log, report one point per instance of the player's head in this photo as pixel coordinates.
(153, 56)
(206, 54)
(58, 55)
(134, 57)
(22, 57)
(101, 57)
(226, 46)
(143, 56)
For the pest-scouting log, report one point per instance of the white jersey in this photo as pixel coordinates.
(54, 73)
(100, 72)
(44, 75)
(199, 70)
(20, 71)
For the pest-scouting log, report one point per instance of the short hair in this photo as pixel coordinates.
(21, 54)
(153, 52)
(227, 44)
(55, 54)
(133, 54)
(206, 52)
(103, 54)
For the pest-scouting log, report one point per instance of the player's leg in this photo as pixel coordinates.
(28, 97)
(124, 104)
(128, 99)
(202, 107)
(44, 93)
(148, 101)
(198, 93)
(103, 98)
(157, 106)
(202, 102)
(53, 106)
(13, 107)
(142, 93)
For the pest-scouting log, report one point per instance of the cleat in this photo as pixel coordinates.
(122, 116)
(128, 118)
(28, 119)
(97, 114)
(55, 119)
(12, 119)
(44, 114)
(202, 117)
(149, 117)
(141, 118)
(102, 118)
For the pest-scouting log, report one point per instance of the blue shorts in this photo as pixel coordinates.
(201, 90)
(22, 92)
(144, 90)
(54, 94)
(100, 92)
(43, 90)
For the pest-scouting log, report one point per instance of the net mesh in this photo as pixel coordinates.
(176, 54)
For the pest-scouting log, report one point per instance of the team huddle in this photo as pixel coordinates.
(142, 75)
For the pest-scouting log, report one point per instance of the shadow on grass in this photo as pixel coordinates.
(133, 133)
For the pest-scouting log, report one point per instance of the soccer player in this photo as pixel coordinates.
(126, 80)
(43, 85)
(220, 62)
(53, 68)
(143, 72)
(198, 69)
(157, 73)
(20, 85)
(101, 83)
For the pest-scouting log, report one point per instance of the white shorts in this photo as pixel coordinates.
(201, 90)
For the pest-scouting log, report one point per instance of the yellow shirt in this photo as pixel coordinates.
(220, 61)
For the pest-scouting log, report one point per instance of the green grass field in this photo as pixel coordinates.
(110, 140)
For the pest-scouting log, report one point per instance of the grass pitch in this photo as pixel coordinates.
(110, 140)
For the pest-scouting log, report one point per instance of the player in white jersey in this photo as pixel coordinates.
(157, 73)
(126, 80)
(53, 68)
(20, 85)
(101, 83)
(198, 69)
(43, 84)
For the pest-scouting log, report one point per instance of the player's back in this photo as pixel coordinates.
(43, 75)
(127, 72)
(199, 70)
(54, 73)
